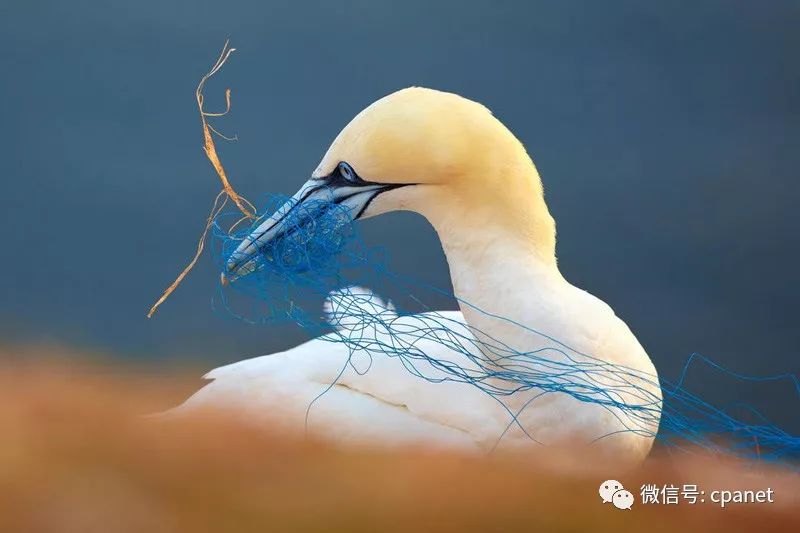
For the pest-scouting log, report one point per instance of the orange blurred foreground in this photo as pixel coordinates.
(76, 456)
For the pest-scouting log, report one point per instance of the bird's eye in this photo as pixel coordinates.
(347, 172)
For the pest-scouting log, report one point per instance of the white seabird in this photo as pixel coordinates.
(452, 161)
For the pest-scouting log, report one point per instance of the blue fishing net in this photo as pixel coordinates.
(320, 253)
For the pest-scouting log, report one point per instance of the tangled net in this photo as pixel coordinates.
(323, 254)
(320, 254)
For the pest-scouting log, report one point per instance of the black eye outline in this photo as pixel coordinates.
(347, 172)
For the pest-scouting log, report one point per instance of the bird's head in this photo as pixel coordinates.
(436, 153)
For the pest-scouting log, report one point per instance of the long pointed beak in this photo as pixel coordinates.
(314, 200)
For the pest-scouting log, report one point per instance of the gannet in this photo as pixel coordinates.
(450, 160)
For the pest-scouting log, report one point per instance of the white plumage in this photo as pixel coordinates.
(449, 159)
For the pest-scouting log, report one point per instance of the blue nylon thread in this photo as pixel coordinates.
(323, 253)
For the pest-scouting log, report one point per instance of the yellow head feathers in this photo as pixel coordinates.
(468, 167)
(419, 135)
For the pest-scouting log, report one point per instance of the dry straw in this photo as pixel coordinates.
(228, 192)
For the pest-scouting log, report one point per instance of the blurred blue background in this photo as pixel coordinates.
(666, 134)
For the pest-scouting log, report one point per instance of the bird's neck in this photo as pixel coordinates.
(506, 290)
(501, 254)
(500, 275)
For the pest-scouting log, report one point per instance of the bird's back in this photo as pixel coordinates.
(390, 394)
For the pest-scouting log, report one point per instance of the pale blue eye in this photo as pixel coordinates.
(347, 172)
